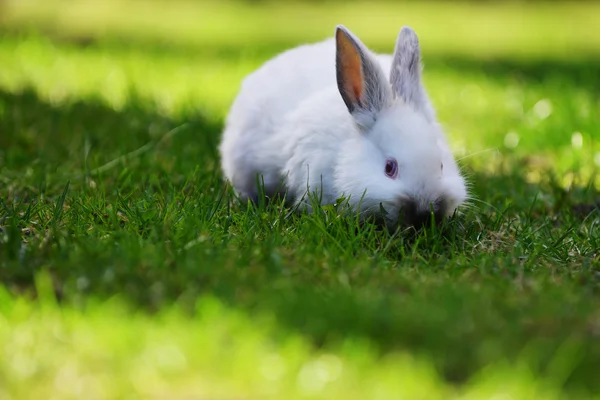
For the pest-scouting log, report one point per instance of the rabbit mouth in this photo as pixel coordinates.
(411, 213)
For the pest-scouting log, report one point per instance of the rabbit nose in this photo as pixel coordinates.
(421, 216)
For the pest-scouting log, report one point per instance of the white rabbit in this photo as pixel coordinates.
(335, 119)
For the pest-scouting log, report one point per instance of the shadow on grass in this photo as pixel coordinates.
(157, 228)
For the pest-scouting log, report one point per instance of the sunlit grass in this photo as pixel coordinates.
(516, 30)
(220, 353)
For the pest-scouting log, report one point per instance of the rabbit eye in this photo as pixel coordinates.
(391, 168)
(442, 166)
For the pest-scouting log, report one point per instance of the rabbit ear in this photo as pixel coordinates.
(360, 79)
(405, 75)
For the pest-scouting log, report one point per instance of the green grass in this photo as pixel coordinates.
(128, 269)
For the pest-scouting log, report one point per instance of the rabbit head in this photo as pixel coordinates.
(400, 161)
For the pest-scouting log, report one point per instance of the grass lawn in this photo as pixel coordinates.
(128, 270)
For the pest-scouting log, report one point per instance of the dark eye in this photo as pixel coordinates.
(442, 166)
(391, 168)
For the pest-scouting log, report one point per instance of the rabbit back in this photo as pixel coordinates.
(254, 142)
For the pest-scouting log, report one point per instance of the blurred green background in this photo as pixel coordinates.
(127, 269)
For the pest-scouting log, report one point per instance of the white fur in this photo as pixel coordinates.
(290, 126)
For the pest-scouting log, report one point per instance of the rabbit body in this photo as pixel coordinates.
(338, 120)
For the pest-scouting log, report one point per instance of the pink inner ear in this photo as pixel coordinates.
(351, 68)
(357, 91)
